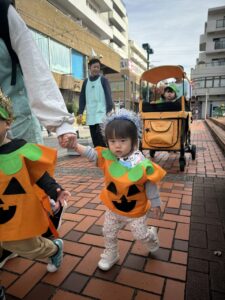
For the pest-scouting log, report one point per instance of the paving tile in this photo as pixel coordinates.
(69, 262)
(182, 231)
(74, 235)
(140, 280)
(85, 224)
(101, 289)
(175, 218)
(109, 275)
(161, 254)
(95, 229)
(89, 263)
(65, 228)
(166, 269)
(75, 282)
(89, 212)
(174, 203)
(180, 245)
(217, 276)
(198, 239)
(197, 286)
(179, 257)
(41, 291)
(135, 262)
(6, 278)
(60, 294)
(174, 290)
(27, 281)
(146, 296)
(75, 248)
(18, 265)
(165, 237)
(198, 265)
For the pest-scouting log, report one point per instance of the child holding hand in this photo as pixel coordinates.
(130, 182)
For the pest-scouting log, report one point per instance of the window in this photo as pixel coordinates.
(117, 86)
(222, 83)
(59, 57)
(220, 23)
(42, 43)
(219, 43)
(209, 82)
(216, 82)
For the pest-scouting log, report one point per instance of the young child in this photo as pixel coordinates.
(26, 186)
(130, 182)
(170, 93)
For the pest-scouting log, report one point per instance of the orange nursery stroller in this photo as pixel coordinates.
(166, 126)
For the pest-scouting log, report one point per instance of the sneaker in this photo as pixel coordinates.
(153, 244)
(56, 259)
(108, 259)
(6, 255)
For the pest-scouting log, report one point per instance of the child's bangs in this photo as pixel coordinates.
(120, 129)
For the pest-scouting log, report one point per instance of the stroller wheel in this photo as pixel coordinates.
(152, 153)
(193, 152)
(182, 164)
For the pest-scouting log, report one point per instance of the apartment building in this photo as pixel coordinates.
(65, 45)
(69, 31)
(208, 76)
(107, 20)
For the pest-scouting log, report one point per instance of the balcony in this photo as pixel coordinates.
(120, 7)
(79, 10)
(116, 20)
(118, 37)
(217, 26)
(104, 5)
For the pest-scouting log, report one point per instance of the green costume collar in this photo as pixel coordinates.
(12, 163)
(3, 113)
(134, 174)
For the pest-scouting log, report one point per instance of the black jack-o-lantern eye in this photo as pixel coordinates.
(14, 188)
(125, 205)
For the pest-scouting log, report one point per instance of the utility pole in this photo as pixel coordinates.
(125, 77)
(149, 51)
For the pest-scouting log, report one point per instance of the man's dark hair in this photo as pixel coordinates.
(94, 61)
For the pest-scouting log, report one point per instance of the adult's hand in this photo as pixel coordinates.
(67, 140)
(79, 119)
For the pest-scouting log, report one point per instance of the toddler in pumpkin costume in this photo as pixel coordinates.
(130, 182)
(26, 184)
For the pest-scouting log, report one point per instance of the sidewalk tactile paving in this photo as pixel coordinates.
(191, 228)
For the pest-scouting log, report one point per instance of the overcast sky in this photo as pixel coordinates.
(171, 27)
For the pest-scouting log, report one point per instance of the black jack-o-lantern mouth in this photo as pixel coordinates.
(14, 188)
(126, 205)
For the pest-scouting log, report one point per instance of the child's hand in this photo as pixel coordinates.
(156, 212)
(62, 196)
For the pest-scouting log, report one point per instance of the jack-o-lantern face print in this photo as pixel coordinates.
(126, 202)
(7, 212)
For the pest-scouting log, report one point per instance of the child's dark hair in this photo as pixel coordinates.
(122, 128)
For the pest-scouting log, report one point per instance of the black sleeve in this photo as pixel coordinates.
(108, 97)
(49, 185)
(82, 98)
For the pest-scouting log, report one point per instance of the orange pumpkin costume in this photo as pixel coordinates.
(124, 191)
(23, 205)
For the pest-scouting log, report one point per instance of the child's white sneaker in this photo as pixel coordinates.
(153, 244)
(108, 259)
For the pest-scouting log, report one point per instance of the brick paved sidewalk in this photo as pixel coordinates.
(190, 230)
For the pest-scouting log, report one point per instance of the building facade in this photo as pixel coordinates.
(208, 76)
(68, 32)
